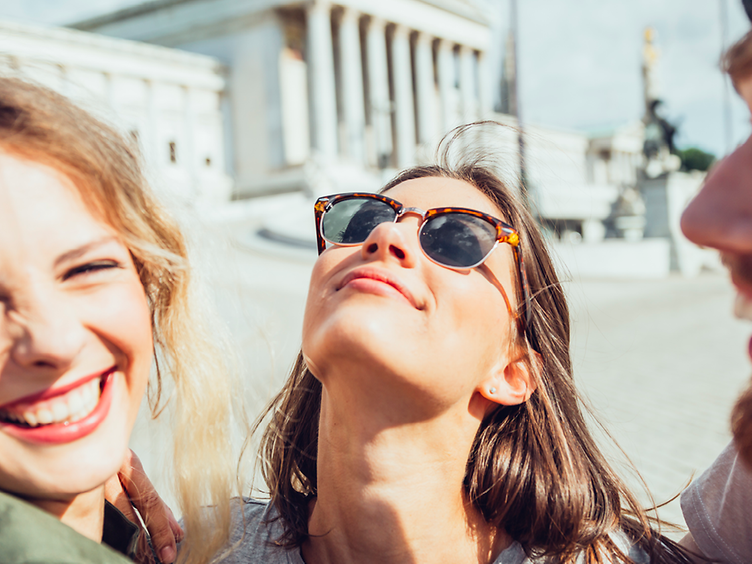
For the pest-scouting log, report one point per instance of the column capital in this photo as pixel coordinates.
(319, 6)
(401, 30)
(421, 37)
(377, 23)
(350, 14)
(445, 44)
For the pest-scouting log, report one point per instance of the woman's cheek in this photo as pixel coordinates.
(123, 320)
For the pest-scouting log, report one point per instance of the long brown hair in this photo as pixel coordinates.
(42, 126)
(534, 469)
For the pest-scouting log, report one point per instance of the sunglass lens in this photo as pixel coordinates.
(349, 222)
(459, 240)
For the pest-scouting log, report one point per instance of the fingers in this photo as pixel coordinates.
(113, 492)
(160, 522)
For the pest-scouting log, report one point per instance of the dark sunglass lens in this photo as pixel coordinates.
(457, 239)
(349, 222)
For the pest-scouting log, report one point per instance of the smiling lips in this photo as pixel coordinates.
(373, 278)
(60, 415)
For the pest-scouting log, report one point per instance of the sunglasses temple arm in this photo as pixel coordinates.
(320, 243)
(525, 286)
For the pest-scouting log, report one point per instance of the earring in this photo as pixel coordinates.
(492, 390)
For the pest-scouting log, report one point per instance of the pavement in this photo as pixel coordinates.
(659, 361)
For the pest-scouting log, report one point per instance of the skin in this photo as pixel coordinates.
(71, 305)
(407, 377)
(720, 217)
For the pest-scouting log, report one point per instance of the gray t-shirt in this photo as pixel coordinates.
(252, 536)
(718, 509)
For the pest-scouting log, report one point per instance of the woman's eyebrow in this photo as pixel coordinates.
(83, 249)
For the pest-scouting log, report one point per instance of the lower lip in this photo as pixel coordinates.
(61, 433)
(372, 286)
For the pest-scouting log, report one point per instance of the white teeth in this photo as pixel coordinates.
(30, 417)
(73, 406)
(45, 416)
(75, 402)
(743, 307)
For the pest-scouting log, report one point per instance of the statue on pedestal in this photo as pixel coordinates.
(658, 146)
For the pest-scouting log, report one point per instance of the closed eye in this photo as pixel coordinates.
(90, 268)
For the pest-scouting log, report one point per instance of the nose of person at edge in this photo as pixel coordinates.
(720, 216)
(445, 331)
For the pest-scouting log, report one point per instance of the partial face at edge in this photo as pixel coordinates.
(721, 217)
(721, 214)
(75, 338)
(430, 330)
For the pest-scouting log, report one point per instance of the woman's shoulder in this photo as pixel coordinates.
(255, 527)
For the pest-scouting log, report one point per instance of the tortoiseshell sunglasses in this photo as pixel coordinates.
(457, 238)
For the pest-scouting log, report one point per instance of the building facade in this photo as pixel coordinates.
(349, 89)
(167, 99)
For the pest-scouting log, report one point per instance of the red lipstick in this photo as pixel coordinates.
(59, 433)
(54, 392)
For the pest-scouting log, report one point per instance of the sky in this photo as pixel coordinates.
(579, 60)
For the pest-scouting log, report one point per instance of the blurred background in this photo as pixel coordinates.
(246, 110)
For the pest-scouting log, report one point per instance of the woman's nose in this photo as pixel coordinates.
(46, 335)
(393, 241)
(720, 216)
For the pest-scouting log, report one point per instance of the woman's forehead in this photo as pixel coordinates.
(436, 192)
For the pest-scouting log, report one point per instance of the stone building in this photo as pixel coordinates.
(169, 100)
(354, 87)
(325, 96)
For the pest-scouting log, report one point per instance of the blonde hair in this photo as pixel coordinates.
(43, 126)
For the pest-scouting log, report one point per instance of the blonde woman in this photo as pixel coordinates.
(95, 289)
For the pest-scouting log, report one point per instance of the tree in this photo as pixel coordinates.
(693, 158)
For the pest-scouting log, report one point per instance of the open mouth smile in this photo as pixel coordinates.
(60, 415)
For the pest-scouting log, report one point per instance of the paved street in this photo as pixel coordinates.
(660, 361)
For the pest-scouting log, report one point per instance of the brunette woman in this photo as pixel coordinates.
(94, 289)
(432, 415)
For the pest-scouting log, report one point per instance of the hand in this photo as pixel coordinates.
(131, 484)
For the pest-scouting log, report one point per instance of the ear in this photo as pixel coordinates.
(512, 383)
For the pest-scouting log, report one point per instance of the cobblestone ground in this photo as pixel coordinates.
(660, 361)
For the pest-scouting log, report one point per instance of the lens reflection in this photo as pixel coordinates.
(349, 222)
(457, 239)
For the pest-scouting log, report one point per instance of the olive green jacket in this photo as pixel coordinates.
(29, 535)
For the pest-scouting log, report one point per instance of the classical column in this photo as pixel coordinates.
(378, 79)
(404, 109)
(352, 85)
(467, 85)
(321, 73)
(484, 86)
(424, 89)
(446, 73)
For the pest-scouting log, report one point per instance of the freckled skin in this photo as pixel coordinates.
(57, 326)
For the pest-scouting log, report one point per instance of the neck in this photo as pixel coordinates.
(84, 513)
(393, 493)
